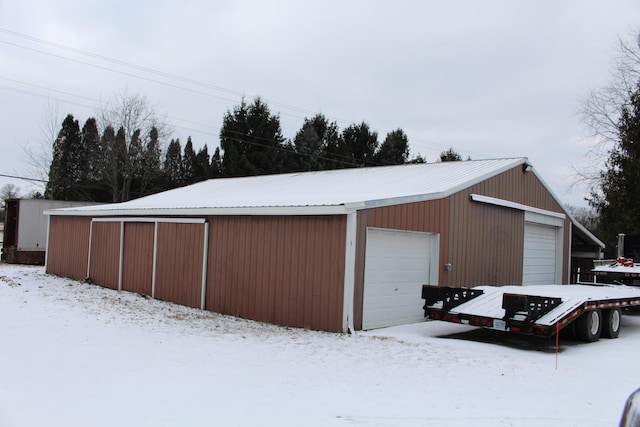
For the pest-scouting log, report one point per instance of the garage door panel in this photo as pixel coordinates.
(397, 264)
(540, 255)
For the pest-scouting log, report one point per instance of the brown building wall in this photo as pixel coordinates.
(430, 216)
(179, 264)
(105, 254)
(68, 246)
(137, 266)
(486, 242)
(281, 270)
(290, 270)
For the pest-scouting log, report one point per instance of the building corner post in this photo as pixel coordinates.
(349, 272)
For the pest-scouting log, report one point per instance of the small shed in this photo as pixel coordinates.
(25, 229)
(331, 250)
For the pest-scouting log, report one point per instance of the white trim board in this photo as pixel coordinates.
(513, 205)
(145, 219)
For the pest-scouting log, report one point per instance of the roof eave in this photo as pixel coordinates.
(261, 210)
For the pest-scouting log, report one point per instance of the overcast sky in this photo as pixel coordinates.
(488, 78)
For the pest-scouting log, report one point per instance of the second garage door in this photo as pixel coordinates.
(541, 264)
(397, 264)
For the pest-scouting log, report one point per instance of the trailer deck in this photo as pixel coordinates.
(541, 310)
(621, 270)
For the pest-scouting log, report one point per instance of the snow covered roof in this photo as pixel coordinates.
(323, 192)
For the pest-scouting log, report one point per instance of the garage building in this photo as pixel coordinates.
(331, 250)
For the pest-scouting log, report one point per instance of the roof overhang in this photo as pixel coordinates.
(266, 210)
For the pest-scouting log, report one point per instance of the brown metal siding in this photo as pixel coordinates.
(516, 186)
(281, 270)
(105, 254)
(179, 263)
(68, 246)
(483, 243)
(430, 216)
(486, 242)
(137, 266)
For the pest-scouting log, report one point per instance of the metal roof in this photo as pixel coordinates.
(323, 192)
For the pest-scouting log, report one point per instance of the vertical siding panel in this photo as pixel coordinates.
(68, 246)
(138, 257)
(105, 254)
(291, 316)
(232, 277)
(308, 288)
(179, 265)
(294, 265)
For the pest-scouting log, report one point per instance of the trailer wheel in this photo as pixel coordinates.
(611, 323)
(589, 326)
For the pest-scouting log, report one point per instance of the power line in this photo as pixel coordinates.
(22, 177)
(172, 77)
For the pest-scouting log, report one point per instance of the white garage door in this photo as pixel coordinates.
(397, 264)
(541, 264)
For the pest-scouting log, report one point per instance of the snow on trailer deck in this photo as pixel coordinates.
(569, 301)
(489, 304)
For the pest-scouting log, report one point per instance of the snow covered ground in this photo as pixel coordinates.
(73, 354)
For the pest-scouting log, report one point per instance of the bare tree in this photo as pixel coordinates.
(9, 191)
(132, 113)
(138, 120)
(601, 108)
(39, 152)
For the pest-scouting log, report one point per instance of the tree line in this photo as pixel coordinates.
(612, 112)
(126, 161)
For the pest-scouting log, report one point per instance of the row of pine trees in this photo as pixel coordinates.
(116, 165)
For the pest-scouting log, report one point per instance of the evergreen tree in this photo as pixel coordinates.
(117, 157)
(173, 165)
(417, 159)
(216, 164)
(132, 172)
(339, 154)
(91, 142)
(618, 205)
(394, 150)
(311, 142)
(67, 170)
(361, 142)
(202, 167)
(189, 163)
(108, 179)
(252, 140)
(150, 177)
(309, 149)
(450, 155)
(95, 187)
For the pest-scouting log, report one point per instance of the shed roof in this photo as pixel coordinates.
(323, 192)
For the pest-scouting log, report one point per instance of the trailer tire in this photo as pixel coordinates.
(589, 326)
(611, 322)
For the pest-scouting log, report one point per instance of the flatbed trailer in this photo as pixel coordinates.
(588, 311)
(622, 271)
